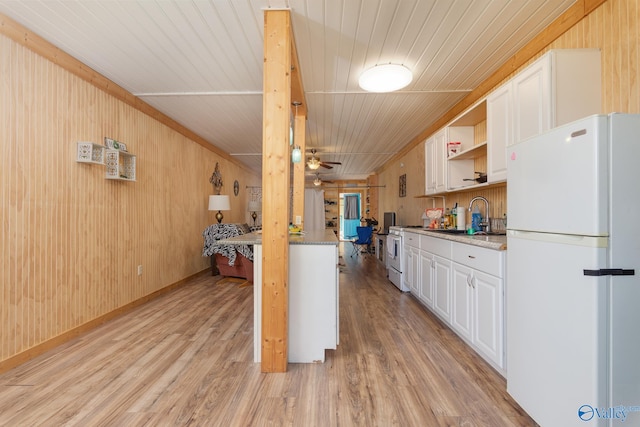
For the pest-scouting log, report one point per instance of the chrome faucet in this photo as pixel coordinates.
(486, 223)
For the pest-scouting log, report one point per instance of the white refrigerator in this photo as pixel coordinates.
(573, 273)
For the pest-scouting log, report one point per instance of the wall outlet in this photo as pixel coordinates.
(298, 219)
(139, 270)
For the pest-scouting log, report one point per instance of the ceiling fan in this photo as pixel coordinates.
(317, 181)
(314, 162)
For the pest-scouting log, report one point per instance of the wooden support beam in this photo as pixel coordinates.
(299, 134)
(300, 123)
(275, 189)
(297, 90)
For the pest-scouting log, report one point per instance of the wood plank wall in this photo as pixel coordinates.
(613, 28)
(71, 241)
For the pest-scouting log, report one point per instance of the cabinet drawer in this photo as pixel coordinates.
(441, 247)
(488, 260)
(412, 239)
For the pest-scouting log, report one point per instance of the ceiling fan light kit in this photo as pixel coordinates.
(385, 78)
(313, 163)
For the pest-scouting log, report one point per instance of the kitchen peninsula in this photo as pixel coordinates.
(313, 294)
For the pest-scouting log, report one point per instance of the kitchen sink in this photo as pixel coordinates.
(455, 231)
(491, 233)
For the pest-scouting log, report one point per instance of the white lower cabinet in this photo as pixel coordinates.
(477, 311)
(414, 270)
(411, 272)
(407, 276)
(435, 275)
(462, 300)
(426, 288)
(464, 286)
(442, 288)
(488, 317)
(478, 300)
(435, 283)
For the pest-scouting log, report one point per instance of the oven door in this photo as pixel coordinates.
(394, 253)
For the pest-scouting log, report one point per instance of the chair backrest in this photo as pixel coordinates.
(364, 234)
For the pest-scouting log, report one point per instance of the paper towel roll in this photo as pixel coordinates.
(460, 218)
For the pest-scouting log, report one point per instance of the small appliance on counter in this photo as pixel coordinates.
(389, 220)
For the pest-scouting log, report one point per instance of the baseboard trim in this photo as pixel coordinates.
(67, 336)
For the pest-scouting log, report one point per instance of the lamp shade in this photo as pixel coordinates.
(219, 202)
(385, 78)
(254, 206)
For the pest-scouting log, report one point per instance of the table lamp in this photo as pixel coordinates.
(254, 207)
(219, 202)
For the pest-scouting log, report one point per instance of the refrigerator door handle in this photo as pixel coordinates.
(610, 272)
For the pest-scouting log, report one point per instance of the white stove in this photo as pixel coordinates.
(395, 257)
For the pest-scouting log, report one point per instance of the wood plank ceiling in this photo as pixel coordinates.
(200, 62)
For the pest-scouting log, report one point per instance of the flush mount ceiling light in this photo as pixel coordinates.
(385, 78)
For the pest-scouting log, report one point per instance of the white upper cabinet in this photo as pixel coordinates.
(434, 152)
(499, 128)
(558, 88)
(531, 91)
(440, 154)
(430, 165)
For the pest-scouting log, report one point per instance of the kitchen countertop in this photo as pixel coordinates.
(497, 242)
(321, 237)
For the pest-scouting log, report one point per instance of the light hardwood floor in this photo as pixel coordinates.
(186, 359)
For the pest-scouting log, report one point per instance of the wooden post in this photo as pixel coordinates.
(300, 112)
(275, 189)
(298, 171)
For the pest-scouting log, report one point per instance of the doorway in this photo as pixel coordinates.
(350, 212)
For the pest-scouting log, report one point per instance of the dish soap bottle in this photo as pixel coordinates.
(476, 219)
